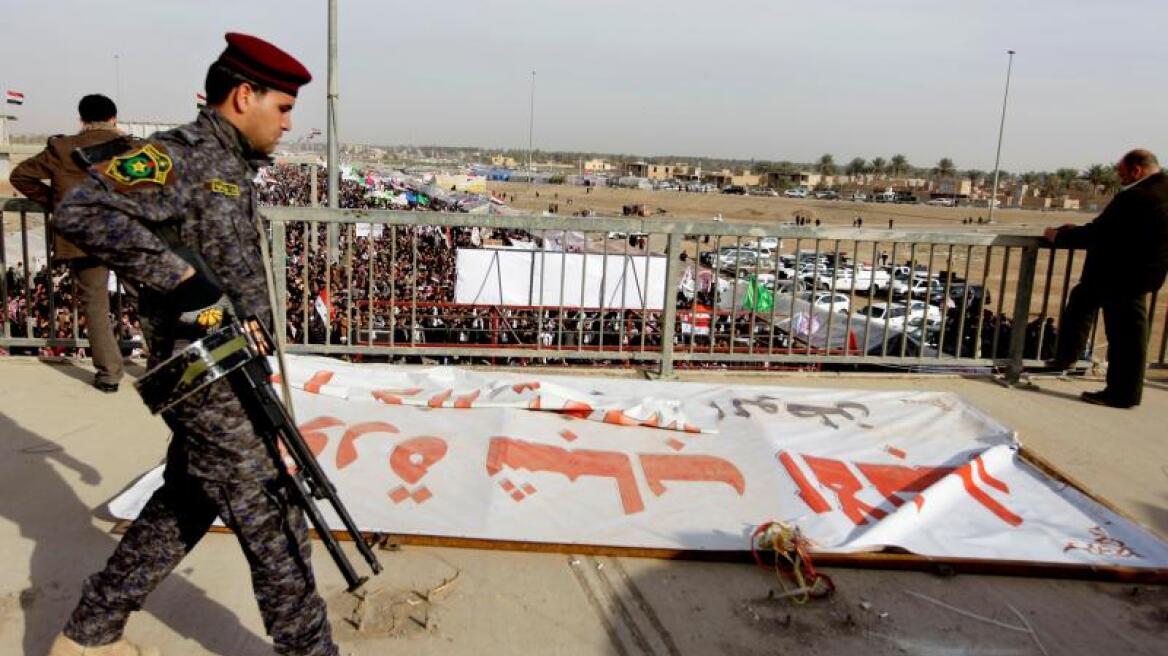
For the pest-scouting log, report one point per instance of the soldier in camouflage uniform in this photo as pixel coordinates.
(193, 186)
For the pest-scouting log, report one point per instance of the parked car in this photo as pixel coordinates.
(827, 194)
(764, 242)
(830, 301)
(893, 314)
(735, 189)
(918, 308)
(920, 287)
(941, 202)
(737, 258)
(762, 191)
(787, 286)
(859, 197)
(797, 192)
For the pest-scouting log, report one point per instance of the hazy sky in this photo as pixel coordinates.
(767, 79)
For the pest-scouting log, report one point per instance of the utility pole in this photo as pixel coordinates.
(1001, 129)
(531, 130)
(334, 173)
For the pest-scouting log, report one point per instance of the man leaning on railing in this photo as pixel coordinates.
(1127, 259)
(99, 119)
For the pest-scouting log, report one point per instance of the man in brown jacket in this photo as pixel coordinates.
(99, 118)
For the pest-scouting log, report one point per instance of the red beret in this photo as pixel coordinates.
(263, 63)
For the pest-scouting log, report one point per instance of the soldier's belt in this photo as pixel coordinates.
(195, 367)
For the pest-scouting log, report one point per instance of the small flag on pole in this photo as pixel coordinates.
(14, 97)
(324, 308)
(200, 101)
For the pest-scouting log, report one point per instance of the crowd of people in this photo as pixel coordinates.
(45, 306)
(395, 284)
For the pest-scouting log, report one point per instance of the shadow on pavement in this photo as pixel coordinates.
(67, 547)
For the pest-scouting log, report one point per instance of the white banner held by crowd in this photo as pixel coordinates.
(527, 457)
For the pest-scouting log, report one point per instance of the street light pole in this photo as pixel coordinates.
(1001, 129)
(334, 173)
(118, 79)
(531, 129)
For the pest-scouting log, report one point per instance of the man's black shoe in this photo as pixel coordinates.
(108, 388)
(1103, 398)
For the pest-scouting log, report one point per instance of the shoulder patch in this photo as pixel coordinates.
(149, 165)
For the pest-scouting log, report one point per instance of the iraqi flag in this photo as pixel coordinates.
(200, 101)
(14, 97)
(324, 307)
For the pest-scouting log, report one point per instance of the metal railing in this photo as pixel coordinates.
(653, 293)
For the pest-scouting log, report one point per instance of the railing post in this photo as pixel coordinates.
(669, 317)
(1026, 270)
(280, 273)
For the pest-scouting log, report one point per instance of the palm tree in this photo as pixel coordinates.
(856, 166)
(1102, 178)
(899, 164)
(974, 176)
(879, 165)
(945, 168)
(826, 165)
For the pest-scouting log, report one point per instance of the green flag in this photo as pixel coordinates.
(758, 298)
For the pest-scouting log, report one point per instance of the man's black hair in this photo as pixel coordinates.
(96, 108)
(221, 80)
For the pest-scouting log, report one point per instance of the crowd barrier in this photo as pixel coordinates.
(651, 293)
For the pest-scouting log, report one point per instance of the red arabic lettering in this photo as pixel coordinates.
(893, 482)
(313, 433)
(1003, 513)
(437, 400)
(346, 451)
(517, 454)
(394, 396)
(318, 380)
(835, 475)
(425, 450)
(810, 495)
(675, 467)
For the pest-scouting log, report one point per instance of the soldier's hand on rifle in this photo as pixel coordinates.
(199, 302)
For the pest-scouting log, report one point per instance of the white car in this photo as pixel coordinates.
(930, 313)
(941, 202)
(764, 242)
(894, 315)
(824, 300)
(737, 258)
(839, 280)
(795, 193)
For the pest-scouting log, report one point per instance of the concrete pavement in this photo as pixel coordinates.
(67, 449)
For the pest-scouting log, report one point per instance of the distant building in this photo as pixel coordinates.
(952, 187)
(660, 172)
(504, 161)
(597, 166)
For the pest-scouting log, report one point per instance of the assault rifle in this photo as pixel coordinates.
(235, 353)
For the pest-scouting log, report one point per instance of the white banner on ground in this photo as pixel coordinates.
(526, 457)
(503, 277)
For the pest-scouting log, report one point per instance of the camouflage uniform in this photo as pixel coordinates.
(197, 178)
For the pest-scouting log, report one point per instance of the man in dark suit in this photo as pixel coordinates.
(1127, 259)
(99, 121)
